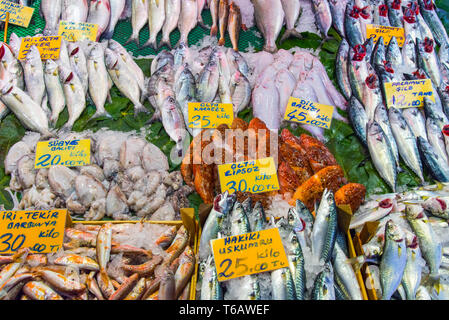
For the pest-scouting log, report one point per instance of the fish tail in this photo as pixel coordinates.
(269, 48)
(222, 41)
(165, 42)
(132, 39)
(213, 31)
(291, 33)
(151, 44)
(66, 128)
(138, 108)
(108, 35)
(101, 113)
(202, 25)
(156, 116)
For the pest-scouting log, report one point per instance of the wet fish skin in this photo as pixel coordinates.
(292, 10)
(428, 59)
(428, 12)
(353, 29)
(210, 288)
(139, 18)
(240, 91)
(341, 69)
(283, 286)
(323, 288)
(214, 7)
(358, 118)
(381, 117)
(345, 274)
(338, 8)
(79, 64)
(436, 166)
(188, 19)
(75, 10)
(173, 122)
(412, 272)
(99, 13)
(223, 15)
(172, 12)
(234, 25)
(156, 19)
(393, 53)
(37, 290)
(406, 141)
(296, 264)
(117, 8)
(269, 16)
(33, 72)
(416, 121)
(436, 139)
(98, 80)
(381, 153)
(393, 260)
(323, 15)
(54, 90)
(429, 244)
(51, 10)
(74, 94)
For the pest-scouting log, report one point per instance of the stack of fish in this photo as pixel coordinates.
(37, 91)
(410, 243)
(226, 17)
(301, 75)
(127, 179)
(362, 68)
(316, 250)
(214, 74)
(100, 263)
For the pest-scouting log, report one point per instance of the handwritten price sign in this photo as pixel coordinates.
(78, 31)
(18, 14)
(69, 153)
(210, 115)
(41, 231)
(48, 47)
(249, 253)
(254, 176)
(408, 94)
(307, 112)
(376, 31)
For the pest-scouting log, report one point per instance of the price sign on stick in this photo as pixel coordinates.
(69, 153)
(40, 230)
(249, 253)
(255, 176)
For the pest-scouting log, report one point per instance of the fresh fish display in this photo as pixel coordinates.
(307, 276)
(105, 273)
(127, 179)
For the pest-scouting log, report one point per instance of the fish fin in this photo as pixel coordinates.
(291, 33)
(165, 43)
(109, 97)
(213, 31)
(156, 116)
(270, 49)
(107, 35)
(222, 41)
(101, 114)
(132, 39)
(149, 44)
(202, 25)
(140, 108)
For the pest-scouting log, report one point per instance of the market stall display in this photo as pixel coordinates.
(130, 91)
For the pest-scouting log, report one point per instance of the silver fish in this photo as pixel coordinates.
(51, 10)
(156, 19)
(139, 18)
(33, 72)
(54, 89)
(74, 95)
(117, 8)
(269, 19)
(100, 14)
(381, 117)
(323, 15)
(413, 269)
(79, 64)
(416, 121)
(172, 13)
(75, 10)
(98, 80)
(187, 19)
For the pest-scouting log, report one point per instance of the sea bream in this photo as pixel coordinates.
(54, 90)
(100, 14)
(74, 94)
(51, 10)
(75, 10)
(139, 19)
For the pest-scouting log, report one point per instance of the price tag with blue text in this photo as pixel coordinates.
(308, 112)
(248, 253)
(69, 153)
(18, 14)
(254, 176)
(210, 115)
(40, 230)
(408, 94)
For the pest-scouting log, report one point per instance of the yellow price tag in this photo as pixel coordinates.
(376, 31)
(210, 115)
(249, 253)
(69, 153)
(408, 94)
(18, 14)
(254, 176)
(40, 230)
(307, 112)
(78, 31)
(49, 47)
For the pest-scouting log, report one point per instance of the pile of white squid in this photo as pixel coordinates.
(127, 179)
